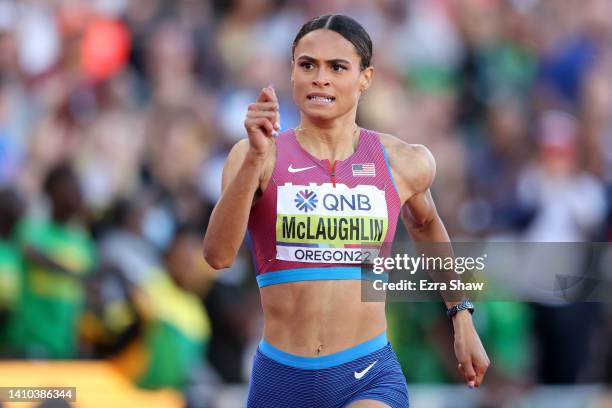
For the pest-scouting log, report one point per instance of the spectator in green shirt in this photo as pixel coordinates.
(58, 255)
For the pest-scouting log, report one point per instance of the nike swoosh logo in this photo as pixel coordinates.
(363, 372)
(294, 170)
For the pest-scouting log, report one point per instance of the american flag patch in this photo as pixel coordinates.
(364, 169)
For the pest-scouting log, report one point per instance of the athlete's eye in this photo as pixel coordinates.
(306, 65)
(338, 68)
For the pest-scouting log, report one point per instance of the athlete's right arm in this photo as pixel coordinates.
(243, 173)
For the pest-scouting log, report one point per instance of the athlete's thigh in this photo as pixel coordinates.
(367, 404)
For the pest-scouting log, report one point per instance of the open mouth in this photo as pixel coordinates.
(321, 98)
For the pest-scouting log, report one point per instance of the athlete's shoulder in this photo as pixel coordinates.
(394, 143)
(413, 163)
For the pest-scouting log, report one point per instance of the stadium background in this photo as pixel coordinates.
(116, 117)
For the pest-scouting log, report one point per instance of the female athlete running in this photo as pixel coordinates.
(309, 197)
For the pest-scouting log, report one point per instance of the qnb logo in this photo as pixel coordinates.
(354, 202)
(306, 200)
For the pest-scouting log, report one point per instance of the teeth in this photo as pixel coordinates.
(320, 98)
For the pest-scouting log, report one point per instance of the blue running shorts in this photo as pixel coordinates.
(368, 371)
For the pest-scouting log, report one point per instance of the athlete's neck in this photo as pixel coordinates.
(331, 141)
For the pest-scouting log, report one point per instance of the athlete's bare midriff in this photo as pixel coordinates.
(316, 318)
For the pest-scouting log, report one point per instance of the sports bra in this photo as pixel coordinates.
(314, 218)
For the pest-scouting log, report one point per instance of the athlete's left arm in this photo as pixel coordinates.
(414, 168)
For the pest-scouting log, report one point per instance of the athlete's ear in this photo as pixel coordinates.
(365, 79)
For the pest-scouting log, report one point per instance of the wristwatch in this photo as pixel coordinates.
(465, 305)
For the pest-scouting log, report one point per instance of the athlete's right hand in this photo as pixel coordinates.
(263, 121)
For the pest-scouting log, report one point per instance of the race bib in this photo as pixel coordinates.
(327, 224)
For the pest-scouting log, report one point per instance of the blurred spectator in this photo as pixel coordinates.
(176, 332)
(495, 164)
(569, 206)
(58, 256)
(171, 324)
(570, 203)
(112, 146)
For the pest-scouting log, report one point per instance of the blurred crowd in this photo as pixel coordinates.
(116, 117)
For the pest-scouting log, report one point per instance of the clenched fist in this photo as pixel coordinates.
(263, 121)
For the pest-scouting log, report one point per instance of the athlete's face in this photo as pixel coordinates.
(326, 75)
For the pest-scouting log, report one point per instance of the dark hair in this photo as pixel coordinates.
(347, 27)
(58, 174)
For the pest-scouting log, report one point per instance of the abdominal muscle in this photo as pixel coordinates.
(316, 318)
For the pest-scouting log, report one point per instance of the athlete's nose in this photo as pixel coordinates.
(321, 79)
